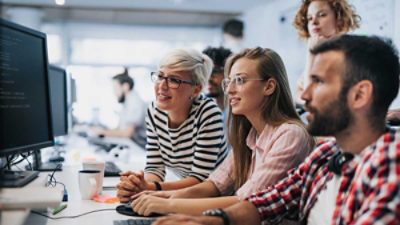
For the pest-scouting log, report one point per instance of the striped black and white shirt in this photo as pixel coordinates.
(194, 149)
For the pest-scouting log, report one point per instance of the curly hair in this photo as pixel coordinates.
(218, 56)
(345, 15)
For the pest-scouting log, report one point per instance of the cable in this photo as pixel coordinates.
(13, 160)
(71, 217)
(9, 162)
(52, 180)
(29, 162)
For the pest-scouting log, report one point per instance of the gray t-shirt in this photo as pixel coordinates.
(133, 113)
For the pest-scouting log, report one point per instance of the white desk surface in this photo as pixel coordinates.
(69, 176)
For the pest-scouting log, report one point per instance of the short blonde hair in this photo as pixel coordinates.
(198, 64)
(346, 17)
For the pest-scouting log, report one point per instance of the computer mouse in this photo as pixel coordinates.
(128, 205)
(126, 209)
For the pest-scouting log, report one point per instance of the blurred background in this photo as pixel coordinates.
(96, 39)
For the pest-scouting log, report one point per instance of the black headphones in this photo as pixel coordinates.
(338, 160)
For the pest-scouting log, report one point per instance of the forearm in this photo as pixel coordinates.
(179, 184)
(151, 177)
(127, 132)
(205, 189)
(186, 206)
(171, 185)
(243, 213)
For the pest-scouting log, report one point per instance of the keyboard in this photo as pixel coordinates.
(99, 142)
(134, 222)
(111, 170)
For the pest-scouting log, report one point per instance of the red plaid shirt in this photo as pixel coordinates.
(369, 190)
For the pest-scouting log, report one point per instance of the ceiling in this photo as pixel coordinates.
(142, 12)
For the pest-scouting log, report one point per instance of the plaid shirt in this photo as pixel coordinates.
(369, 191)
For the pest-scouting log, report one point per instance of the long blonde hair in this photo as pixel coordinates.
(277, 108)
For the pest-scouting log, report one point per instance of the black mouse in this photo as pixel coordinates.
(126, 209)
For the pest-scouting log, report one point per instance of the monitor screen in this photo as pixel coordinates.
(58, 100)
(25, 119)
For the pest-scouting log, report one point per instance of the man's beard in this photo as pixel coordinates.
(121, 98)
(335, 118)
(216, 93)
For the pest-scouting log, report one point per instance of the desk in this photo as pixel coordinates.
(69, 176)
(76, 150)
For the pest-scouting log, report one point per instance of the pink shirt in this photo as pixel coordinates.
(279, 149)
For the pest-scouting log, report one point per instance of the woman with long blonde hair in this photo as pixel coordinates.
(265, 132)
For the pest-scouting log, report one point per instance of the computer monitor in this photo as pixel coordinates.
(59, 114)
(25, 112)
(58, 100)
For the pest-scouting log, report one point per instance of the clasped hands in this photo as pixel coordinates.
(133, 187)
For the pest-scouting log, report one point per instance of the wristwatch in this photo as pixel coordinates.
(158, 186)
(219, 213)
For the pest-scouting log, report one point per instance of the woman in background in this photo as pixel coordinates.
(319, 20)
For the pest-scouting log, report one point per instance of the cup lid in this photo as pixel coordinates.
(89, 171)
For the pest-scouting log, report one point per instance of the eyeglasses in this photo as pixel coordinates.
(238, 81)
(172, 82)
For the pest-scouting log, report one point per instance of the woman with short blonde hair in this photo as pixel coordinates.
(184, 129)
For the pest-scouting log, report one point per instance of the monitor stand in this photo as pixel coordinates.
(10, 178)
(39, 166)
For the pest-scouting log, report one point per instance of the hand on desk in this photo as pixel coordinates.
(161, 194)
(188, 220)
(130, 184)
(145, 204)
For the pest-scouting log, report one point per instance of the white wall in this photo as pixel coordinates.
(265, 28)
(270, 26)
(94, 52)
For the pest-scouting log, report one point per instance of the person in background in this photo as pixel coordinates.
(319, 20)
(185, 130)
(353, 179)
(219, 57)
(267, 137)
(132, 116)
(233, 35)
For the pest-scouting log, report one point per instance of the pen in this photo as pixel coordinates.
(59, 209)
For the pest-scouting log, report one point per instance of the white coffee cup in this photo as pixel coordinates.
(96, 165)
(89, 181)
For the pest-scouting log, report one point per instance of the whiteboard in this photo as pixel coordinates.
(377, 17)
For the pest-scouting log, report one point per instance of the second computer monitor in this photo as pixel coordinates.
(58, 99)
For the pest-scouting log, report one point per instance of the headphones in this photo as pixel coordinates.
(338, 160)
